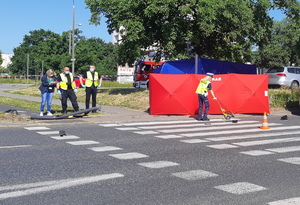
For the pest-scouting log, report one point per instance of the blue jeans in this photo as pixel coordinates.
(46, 98)
(203, 101)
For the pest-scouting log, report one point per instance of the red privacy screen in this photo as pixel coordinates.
(238, 93)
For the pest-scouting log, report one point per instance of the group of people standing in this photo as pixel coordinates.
(66, 88)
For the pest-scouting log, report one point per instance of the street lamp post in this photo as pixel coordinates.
(73, 36)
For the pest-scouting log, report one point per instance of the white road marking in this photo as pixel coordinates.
(240, 188)
(14, 146)
(232, 131)
(193, 141)
(83, 142)
(216, 139)
(168, 136)
(68, 137)
(48, 133)
(158, 164)
(222, 146)
(146, 132)
(292, 160)
(157, 123)
(290, 201)
(196, 124)
(110, 125)
(36, 128)
(264, 142)
(40, 187)
(127, 128)
(130, 155)
(257, 152)
(165, 122)
(194, 175)
(104, 149)
(285, 149)
(200, 129)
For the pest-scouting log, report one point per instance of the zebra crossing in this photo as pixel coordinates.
(219, 134)
(216, 134)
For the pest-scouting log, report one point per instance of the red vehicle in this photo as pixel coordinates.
(77, 81)
(142, 72)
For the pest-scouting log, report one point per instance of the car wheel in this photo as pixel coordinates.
(295, 85)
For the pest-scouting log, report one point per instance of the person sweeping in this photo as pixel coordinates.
(202, 91)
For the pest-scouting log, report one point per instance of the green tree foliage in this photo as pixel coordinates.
(94, 51)
(220, 29)
(283, 47)
(53, 50)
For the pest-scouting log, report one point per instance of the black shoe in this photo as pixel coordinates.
(206, 119)
(64, 112)
(199, 119)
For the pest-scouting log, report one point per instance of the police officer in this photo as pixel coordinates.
(66, 89)
(202, 91)
(92, 81)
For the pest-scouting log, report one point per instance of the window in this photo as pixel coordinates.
(275, 69)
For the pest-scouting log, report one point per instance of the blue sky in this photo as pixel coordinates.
(18, 17)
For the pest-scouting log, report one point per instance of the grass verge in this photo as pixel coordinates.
(137, 99)
(25, 104)
(11, 117)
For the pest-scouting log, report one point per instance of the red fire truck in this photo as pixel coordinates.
(142, 72)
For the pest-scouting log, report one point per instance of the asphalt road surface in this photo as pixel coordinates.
(147, 163)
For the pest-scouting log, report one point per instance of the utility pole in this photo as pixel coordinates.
(73, 36)
(27, 69)
(196, 63)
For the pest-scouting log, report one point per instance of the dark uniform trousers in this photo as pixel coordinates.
(90, 91)
(203, 101)
(65, 94)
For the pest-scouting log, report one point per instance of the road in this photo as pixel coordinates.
(167, 162)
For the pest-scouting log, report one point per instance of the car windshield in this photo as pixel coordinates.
(275, 69)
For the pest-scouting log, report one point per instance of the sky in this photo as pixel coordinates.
(18, 17)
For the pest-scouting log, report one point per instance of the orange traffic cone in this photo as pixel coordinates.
(265, 125)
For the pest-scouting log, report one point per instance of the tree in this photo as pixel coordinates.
(94, 51)
(42, 46)
(53, 50)
(283, 48)
(220, 29)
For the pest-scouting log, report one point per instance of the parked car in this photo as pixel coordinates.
(284, 76)
(77, 81)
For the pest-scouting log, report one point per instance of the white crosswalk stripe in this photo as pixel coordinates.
(244, 134)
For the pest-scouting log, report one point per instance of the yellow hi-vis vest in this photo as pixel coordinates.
(64, 81)
(202, 87)
(90, 80)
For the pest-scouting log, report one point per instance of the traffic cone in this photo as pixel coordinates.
(265, 125)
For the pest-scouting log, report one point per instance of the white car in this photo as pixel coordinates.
(284, 76)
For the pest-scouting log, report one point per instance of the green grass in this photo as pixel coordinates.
(38, 82)
(115, 84)
(132, 98)
(16, 81)
(26, 104)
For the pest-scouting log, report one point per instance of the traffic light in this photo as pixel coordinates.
(191, 48)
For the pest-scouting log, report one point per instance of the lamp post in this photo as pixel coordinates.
(72, 39)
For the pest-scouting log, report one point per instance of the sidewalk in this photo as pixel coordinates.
(110, 114)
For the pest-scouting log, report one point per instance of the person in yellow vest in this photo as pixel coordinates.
(92, 81)
(66, 89)
(202, 91)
